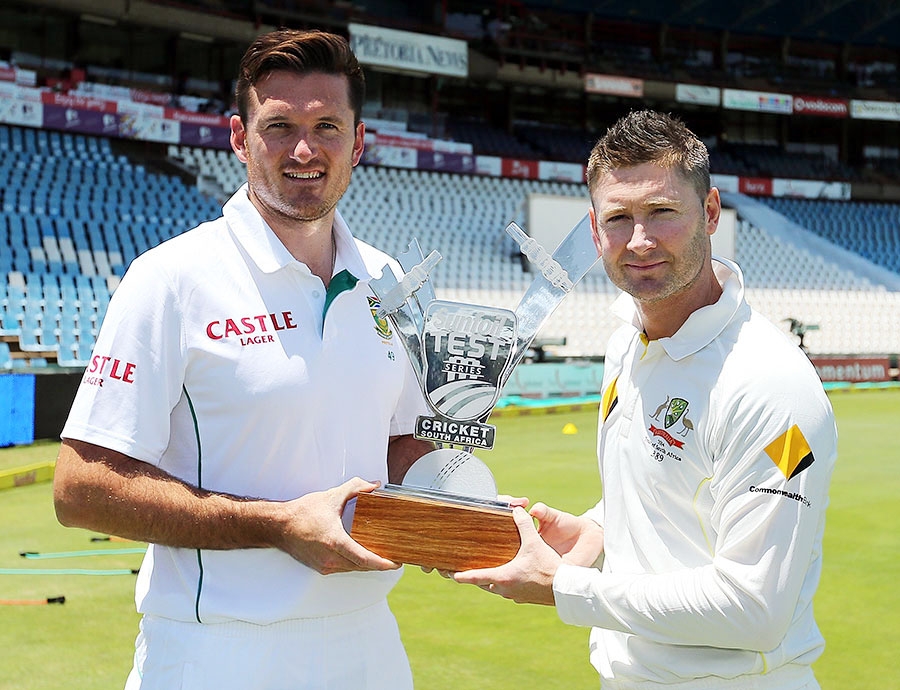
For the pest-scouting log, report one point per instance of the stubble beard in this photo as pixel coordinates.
(269, 194)
(686, 271)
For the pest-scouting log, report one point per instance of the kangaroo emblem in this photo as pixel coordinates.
(660, 409)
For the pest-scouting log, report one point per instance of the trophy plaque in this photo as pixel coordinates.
(446, 514)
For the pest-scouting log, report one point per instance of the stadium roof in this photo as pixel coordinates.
(857, 22)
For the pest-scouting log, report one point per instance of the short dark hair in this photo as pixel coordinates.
(302, 52)
(647, 136)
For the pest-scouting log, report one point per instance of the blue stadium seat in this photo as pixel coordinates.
(5, 358)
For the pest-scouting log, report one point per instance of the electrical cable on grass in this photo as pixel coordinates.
(66, 571)
(33, 602)
(77, 554)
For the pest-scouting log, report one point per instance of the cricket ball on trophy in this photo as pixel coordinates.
(452, 470)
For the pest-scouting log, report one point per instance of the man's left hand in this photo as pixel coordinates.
(527, 578)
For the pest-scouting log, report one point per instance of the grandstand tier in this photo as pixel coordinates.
(68, 233)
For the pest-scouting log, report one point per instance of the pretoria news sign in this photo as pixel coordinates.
(408, 51)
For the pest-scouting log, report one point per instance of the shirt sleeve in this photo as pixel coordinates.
(769, 493)
(411, 403)
(136, 371)
(595, 513)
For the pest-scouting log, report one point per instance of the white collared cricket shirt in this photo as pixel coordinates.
(716, 448)
(225, 362)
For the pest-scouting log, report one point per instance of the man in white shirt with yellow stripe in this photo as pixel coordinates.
(716, 445)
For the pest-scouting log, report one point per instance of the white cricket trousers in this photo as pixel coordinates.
(360, 650)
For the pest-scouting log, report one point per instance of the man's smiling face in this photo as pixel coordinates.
(300, 144)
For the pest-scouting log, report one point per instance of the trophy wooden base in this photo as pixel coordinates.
(424, 528)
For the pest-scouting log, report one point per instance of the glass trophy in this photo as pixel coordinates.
(446, 514)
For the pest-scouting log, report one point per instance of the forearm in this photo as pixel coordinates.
(403, 451)
(698, 606)
(101, 490)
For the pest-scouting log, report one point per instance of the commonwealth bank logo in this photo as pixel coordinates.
(790, 452)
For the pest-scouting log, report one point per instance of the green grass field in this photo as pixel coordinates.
(459, 636)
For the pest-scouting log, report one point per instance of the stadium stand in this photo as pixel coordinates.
(75, 210)
(72, 217)
(869, 229)
(490, 140)
(75, 228)
(557, 143)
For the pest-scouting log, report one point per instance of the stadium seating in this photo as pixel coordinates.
(869, 229)
(773, 161)
(463, 216)
(488, 140)
(558, 143)
(70, 224)
(73, 215)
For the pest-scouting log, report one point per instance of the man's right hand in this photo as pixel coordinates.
(314, 534)
(100, 489)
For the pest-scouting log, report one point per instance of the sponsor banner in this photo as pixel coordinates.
(148, 128)
(613, 85)
(762, 186)
(818, 105)
(374, 124)
(563, 172)
(811, 189)
(94, 122)
(852, 369)
(392, 156)
(699, 95)
(139, 96)
(450, 162)
(447, 146)
(146, 109)
(725, 183)
(758, 101)
(81, 103)
(409, 51)
(27, 112)
(757, 186)
(513, 167)
(489, 165)
(406, 142)
(422, 143)
(97, 90)
(20, 93)
(208, 119)
(875, 110)
(207, 136)
(24, 77)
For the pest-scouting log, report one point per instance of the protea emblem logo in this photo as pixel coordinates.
(382, 326)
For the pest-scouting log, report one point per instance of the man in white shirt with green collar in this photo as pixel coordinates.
(241, 392)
